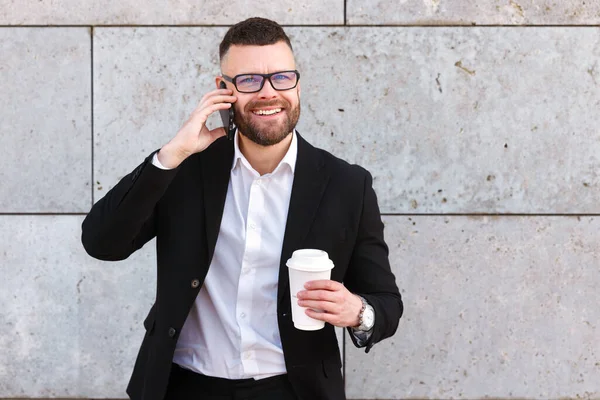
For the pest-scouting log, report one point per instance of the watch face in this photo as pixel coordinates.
(368, 318)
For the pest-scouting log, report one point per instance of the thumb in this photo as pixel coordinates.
(217, 133)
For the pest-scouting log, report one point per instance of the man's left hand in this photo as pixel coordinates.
(334, 303)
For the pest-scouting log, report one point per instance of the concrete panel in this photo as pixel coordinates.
(114, 300)
(469, 12)
(173, 12)
(448, 120)
(71, 324)
(147, 81)
(341, 333)
(45, 124)
(39, 339)
(454, 120)
(496, 307)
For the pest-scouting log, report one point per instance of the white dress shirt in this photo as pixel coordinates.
(231, 330)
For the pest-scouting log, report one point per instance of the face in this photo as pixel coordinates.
(268, 116)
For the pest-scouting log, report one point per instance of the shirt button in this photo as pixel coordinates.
(245, 270)
(172, 332)
(242, 315)
(247, 355)
(195, 283)
(252, 226)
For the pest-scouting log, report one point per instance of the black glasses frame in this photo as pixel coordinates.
(265, 77)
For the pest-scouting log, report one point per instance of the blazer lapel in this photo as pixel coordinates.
(216, 173)
(310, 181)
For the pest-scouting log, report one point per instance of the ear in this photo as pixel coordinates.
(298, 87)
(218, 80)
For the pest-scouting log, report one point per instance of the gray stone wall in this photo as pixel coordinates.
(476, 118)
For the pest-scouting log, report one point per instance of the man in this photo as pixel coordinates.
(227, 215)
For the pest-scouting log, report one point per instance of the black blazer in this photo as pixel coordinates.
(333, 207)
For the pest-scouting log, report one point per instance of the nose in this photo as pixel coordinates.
(267, 91)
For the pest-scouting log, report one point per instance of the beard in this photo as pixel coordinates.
(265, 134)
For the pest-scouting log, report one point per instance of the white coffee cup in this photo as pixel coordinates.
(306, 265)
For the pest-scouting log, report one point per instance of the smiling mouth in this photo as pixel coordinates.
(267, 112)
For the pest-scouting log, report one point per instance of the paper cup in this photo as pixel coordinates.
(306, 265)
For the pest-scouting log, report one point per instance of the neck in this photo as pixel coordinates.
(264, 159)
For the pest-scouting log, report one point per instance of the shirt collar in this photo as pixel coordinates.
(289, 159)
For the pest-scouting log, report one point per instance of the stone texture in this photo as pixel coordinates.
(454, 120)
(172, 12)
(45, 124)
(342, 341)
(495, 307)
(71, 325)
(469, 12)
(448, 120)
(114, 301)
(147, 82)
(40, 315)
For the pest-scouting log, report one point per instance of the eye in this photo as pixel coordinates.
(281, 77)
(248, 79)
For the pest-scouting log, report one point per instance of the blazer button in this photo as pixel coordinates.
(195, 283)
(172, 332)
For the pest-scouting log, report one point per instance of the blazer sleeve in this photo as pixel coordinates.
(124, 220)
(369, 273)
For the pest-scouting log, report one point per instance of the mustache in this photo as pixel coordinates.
(270, 103)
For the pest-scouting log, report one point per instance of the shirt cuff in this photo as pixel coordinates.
(157, 163)
(361, 337)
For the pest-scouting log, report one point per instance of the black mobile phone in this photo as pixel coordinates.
(228, 118)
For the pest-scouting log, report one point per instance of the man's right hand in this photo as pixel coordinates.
(194, 136)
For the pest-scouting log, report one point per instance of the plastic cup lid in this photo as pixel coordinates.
(310, 260)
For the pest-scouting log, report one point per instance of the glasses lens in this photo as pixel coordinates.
(284, 80)
(248, 83)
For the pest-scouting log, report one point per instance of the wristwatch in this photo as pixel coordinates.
(366, 317)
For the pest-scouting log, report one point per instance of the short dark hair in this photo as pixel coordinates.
(253, 32)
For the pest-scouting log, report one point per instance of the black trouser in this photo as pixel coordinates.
(188, 385)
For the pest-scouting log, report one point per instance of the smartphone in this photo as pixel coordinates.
(228, 117)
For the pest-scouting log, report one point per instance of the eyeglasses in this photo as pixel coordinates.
(252, 83)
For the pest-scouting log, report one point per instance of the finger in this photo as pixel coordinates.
(199, 119)
(220, 99)
(214, 100)
(206, 111)
(321, 316)
(321, 295)
(323, 285)
(329, 307)
(217, 92)
(221, 91)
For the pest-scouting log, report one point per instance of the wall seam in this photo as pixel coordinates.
(315, 26)
(489, 215)
(344, 357)
(91, 30)
(345, 12)
(41, 214)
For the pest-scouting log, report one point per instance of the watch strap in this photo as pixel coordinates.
(361, 323)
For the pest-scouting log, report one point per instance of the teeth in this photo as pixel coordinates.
(267, 112)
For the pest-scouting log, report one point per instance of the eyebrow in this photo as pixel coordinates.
(266, 73)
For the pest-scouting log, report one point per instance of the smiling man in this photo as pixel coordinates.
(227, 215)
